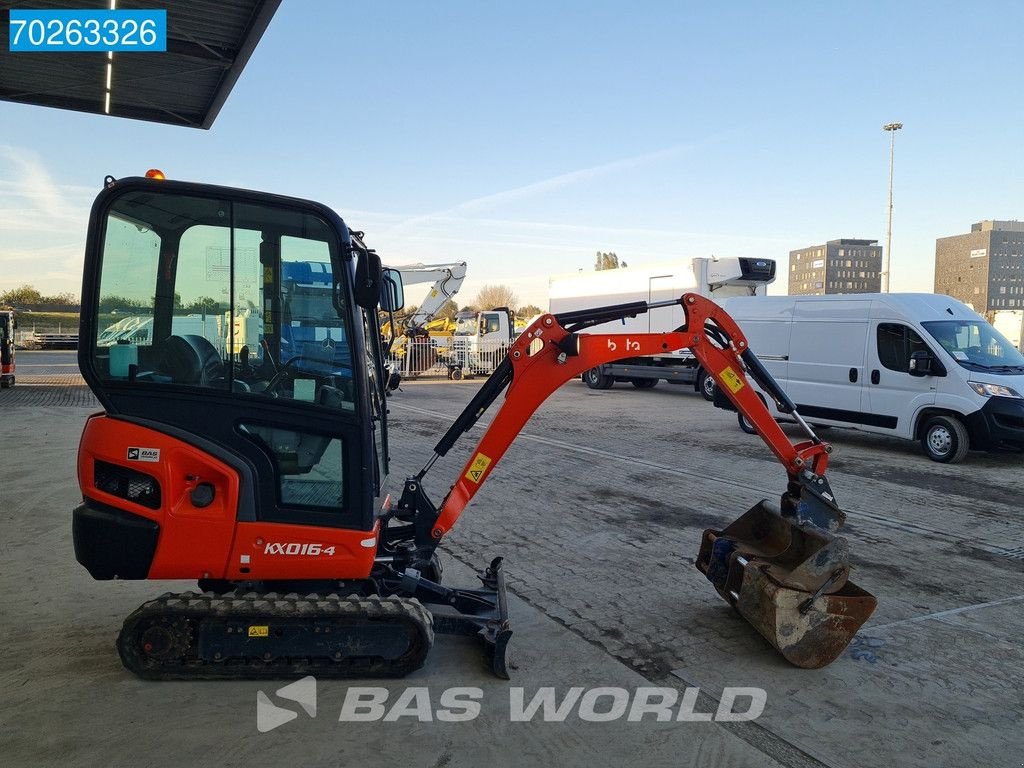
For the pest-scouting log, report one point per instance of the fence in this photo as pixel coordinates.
(448, 358)
(58, 336)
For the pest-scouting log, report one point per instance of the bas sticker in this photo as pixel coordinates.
(732, 381)
(143, 454)
(261, 631)
(477, 468)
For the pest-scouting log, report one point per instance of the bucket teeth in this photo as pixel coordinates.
(790, 581)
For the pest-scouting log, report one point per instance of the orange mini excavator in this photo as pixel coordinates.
(244, 444)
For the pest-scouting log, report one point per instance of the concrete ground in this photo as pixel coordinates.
(598, 509)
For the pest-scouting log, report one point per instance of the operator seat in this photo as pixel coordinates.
(190, 359)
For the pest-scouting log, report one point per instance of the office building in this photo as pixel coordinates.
(838, 266)
(983, 268)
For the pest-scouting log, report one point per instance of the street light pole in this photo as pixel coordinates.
(887, 256)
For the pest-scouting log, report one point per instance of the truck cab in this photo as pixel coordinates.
(480, 341)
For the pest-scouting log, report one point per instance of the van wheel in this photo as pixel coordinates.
(745, 424)
(597, 380)
(644, 383)
(706, 386)
(945, 439)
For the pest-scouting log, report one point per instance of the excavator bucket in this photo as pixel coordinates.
(789, 578)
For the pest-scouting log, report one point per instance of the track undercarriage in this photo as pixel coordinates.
(252, 633)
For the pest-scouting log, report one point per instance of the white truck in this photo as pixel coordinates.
(918, 366)
(480, 341)
(713, 277)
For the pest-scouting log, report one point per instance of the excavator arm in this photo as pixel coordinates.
(446, 280)
(780, 565)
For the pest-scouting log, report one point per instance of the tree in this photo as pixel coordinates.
(530, 310)
(607, 261)
(177, 300)
(61, 299)
(491, 296)
(26, 294)
(109, 303)
(203, 305)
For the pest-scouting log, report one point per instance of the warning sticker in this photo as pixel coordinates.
(477, 468)
(732, 381)
(259, 631)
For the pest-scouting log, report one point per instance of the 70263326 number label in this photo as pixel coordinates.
(36, 31)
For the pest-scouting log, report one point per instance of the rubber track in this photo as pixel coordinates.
(187, 610)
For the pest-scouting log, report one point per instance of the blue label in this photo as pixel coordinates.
(82, 31)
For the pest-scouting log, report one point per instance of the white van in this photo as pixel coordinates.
(918, 366)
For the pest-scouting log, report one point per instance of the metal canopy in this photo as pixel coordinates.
(209, 43)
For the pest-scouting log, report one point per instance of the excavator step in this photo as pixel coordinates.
(199, 636)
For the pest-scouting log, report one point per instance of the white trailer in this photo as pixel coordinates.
(711, 277)
(1010, 323)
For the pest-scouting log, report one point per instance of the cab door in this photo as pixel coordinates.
(893, 396)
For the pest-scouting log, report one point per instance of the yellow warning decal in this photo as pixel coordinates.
(477, 468)
(732, 381)
(259, 631)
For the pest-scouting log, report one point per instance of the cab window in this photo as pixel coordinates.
(215, 294)
(896, 343)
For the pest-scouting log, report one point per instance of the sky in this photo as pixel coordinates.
(524, 137)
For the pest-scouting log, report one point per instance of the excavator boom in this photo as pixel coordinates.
(780, 564)
(412, 339)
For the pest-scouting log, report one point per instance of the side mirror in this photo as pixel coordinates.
(368, 279)
(392, 294)
(920, 363)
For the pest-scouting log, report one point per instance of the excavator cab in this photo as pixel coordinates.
(253, 336)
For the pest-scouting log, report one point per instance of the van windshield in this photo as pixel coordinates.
(975, 344)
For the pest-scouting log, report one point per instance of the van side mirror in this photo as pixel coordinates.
(368, 279)
(392, 293)
(920, 363)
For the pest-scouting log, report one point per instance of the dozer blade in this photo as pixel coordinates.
(790, 581)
